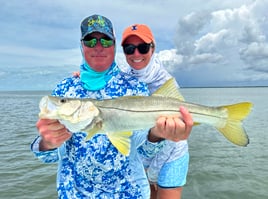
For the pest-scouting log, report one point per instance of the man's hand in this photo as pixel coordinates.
(53, 134)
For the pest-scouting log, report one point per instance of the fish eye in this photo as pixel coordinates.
(63, 100)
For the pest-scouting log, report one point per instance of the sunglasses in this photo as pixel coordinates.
(91, 42)
(143, 48)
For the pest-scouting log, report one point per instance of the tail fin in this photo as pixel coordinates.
(233, 130)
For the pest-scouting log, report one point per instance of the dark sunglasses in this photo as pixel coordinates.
(91, 42)
(143, 48)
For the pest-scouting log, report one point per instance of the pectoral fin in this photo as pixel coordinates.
(121, 141)
(92, 132)
(97, 128)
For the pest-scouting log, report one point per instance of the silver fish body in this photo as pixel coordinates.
(132, 113)
(117, 118)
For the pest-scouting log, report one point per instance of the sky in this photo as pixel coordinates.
(208, 43)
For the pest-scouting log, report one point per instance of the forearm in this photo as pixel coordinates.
(152, 137)
(48, 156)
(149, 144)
(44, 146)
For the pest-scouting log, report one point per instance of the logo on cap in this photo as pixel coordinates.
(134, 27)
(99, 21)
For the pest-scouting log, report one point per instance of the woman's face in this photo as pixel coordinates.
(98, 57)
(138, 60)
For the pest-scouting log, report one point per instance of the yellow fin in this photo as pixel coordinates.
(233, 130)
(169, 89)
(97, 127)
(196, 123)
(92, 132)
(121, 141)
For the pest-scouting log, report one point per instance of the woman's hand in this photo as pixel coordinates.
(173, 128)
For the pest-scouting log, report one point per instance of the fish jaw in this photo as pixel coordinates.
(76, 115)
(48, 108)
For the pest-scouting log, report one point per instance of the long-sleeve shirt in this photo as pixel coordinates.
(95, 168)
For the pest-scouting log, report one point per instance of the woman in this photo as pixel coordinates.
(168, 169)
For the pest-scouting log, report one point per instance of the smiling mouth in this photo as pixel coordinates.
(137, 60)
(98, 56)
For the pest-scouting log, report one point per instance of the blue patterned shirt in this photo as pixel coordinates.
(94, 168)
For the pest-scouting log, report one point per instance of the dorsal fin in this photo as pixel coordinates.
(169, 89)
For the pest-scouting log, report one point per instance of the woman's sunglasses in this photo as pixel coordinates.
(91, 42)
(143, 48)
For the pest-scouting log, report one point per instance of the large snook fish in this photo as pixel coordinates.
(117, 118)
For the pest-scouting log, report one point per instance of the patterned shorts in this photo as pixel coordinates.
(174, 173)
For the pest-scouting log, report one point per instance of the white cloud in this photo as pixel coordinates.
(23, 56)
(227, 39)
(204, 58)
(211, 41)
(213, 38)
(170, 55)
(255, 56)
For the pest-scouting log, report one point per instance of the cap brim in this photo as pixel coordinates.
(107, 34)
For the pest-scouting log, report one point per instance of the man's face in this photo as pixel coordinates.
(98, 57)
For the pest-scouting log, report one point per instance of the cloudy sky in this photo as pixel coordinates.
(202, 43)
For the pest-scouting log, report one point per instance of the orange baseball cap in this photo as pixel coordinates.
(140, 30)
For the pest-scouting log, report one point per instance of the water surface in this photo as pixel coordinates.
(218, 169)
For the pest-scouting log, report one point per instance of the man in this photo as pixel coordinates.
(95, 168)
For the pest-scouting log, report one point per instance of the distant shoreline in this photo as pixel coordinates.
(224, 87)
(192, 87)
(25, 91)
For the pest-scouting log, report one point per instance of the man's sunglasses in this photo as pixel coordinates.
(143, 48)
(91, 42)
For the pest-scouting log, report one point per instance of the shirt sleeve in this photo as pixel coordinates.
(147, 149)
(49, 156)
